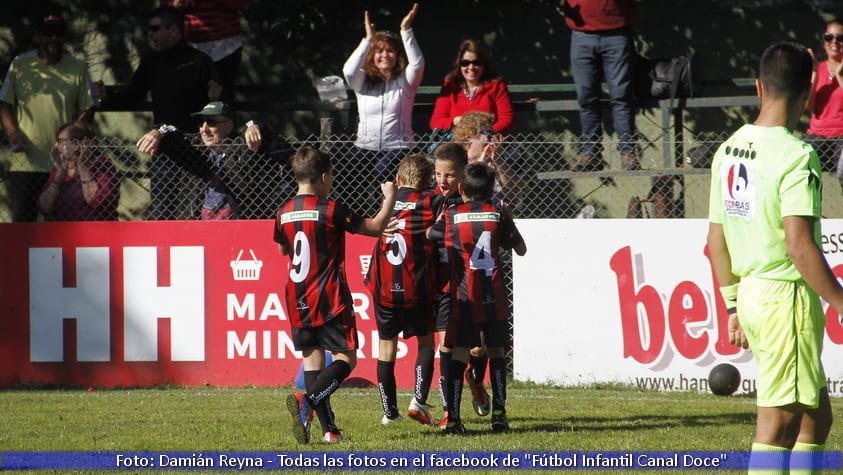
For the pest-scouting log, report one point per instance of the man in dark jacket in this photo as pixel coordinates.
(222, 177)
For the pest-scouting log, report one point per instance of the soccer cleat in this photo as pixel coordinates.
(500, 423)
(387, 421)
(302, 414)
(331, 437)
(421, 413)
(454, 428)
(444, 422)
(479, 397)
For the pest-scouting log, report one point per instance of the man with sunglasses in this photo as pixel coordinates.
(38, 81)
(180, 79)
(825, 129)
(221, 178)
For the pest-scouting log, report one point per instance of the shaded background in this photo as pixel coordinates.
(289, 42)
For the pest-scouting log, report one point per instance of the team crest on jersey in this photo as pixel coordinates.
(739, 198)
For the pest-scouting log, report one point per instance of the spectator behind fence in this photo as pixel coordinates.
(475, 133)
(213, 27)
(385, 72)
(602, 48)
(825, 129)
(84, 185)
(43, 89)
(223, 178)
(473, 85)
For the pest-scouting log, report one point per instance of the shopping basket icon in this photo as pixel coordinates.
(365, 261)
(246, 270)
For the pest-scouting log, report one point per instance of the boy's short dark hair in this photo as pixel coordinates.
(169, 16)
(416, 171)
(452, 152)
(785, 69)
(478, 182)
(309, 163)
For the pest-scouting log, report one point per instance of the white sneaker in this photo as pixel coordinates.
(386, 421)
(421, 413)
(331, 437)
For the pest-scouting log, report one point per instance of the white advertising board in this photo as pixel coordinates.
(633, 302)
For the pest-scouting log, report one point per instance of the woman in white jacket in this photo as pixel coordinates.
(385, 72)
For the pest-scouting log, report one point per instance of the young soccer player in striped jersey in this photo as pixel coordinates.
(400, 278)
(310, 229)
(449, 161)
(472, 233)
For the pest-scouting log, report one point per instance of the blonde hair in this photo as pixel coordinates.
(416, 171)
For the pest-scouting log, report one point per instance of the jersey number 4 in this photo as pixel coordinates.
(481, 256)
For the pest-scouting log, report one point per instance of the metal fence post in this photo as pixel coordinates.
(326, 132)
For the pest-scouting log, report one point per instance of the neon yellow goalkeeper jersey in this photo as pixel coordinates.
(759, 175)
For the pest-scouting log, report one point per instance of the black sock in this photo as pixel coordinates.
(386, 386)
(497, 370)
(424, 374)
(444, 367)
(328, 381)
(477, 368)
(310, 378)
(453, 389)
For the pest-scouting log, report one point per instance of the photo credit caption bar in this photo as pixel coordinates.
(395, 461)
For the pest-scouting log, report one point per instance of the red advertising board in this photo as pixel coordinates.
(147, 303)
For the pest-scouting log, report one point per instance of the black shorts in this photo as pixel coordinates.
(408, 321)
(442, 311)
(467, 334)
(338, 334)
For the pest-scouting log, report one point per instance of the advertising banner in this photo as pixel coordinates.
(634, 302)
(148, 303)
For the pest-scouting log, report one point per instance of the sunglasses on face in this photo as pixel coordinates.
(212, 122)
(466, 63)
(828, 37)
(155, 28)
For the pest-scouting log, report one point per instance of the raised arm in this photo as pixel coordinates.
(375, 226)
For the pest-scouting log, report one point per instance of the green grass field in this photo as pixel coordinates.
(253, 420)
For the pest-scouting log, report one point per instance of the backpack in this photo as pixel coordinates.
(668, 78)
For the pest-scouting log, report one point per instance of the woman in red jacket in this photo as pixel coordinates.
(473, 85)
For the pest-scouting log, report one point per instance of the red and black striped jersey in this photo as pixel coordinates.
(402, 270)
(313, 230)
(472, 233)
(443, 268)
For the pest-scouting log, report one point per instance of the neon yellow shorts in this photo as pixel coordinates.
(785, 325)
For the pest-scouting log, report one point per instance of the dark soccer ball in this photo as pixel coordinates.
(724, 379)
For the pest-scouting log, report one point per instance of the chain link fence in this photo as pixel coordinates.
(187, 181)
(183, 180)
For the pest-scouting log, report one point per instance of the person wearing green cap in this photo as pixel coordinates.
(223, 178)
